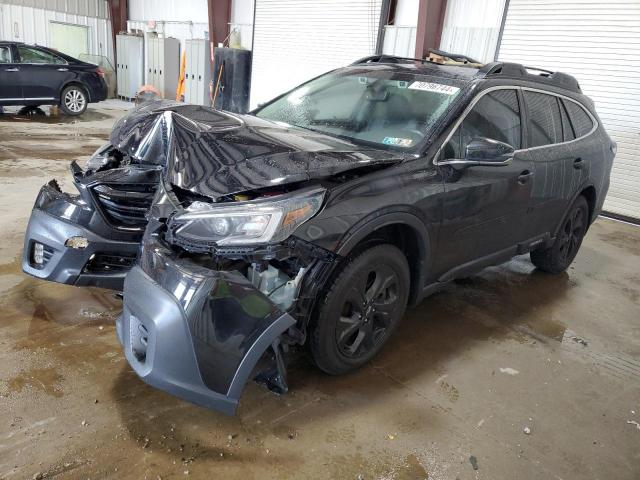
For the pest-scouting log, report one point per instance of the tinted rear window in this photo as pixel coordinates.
(582, 123)
(545, 121)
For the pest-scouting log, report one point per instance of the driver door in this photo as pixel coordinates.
(484, 206)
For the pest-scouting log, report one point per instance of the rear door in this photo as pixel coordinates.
(559, 169)
(42, 74)
(485, 206)
(10, 86)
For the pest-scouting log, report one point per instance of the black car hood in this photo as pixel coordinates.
(216, 153)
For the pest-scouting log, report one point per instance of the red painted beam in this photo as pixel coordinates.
(430, 22)
(119, 17)
(219, 19)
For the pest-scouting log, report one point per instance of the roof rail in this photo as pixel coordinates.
(559, 79)
(387, 59)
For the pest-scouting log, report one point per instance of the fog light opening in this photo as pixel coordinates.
(76, 242)
(38, 253)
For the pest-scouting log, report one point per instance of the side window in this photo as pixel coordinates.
(495, 116)
(545, 122)
(5, 54)
(567, 129)
(34, 55)
(581, 121)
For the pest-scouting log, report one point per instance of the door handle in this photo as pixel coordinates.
(524, 177)
(63, 69)
(577, 163)
(12, 69)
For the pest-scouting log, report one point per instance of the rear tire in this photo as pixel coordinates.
(558, 257)
(360, 310)
(74, 100)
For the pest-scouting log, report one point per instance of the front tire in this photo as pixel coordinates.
(74, 100)
(360, 310)
(558, 257)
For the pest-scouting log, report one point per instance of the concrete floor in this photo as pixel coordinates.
(469, 369)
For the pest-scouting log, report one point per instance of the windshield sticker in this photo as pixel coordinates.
(398, 142)
(434, 87)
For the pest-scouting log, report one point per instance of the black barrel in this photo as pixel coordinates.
(232, 76)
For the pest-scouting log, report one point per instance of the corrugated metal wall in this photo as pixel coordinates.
(400, 41)
(87, 8)
(168, 10)
(472, 27)
(184, 20)
(23, 22)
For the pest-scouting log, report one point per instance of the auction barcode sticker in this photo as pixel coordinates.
(434, 87)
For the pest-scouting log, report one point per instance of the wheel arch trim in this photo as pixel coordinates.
(379, 220)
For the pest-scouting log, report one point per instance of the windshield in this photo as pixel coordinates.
(388, 108)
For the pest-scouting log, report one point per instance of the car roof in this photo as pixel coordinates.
(463, 68)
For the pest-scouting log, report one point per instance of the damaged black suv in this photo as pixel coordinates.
(316, 219)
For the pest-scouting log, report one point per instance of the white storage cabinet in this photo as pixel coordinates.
(163, 65)
(130, 54)
(197, 72)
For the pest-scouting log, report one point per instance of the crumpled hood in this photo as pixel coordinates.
(216, 153)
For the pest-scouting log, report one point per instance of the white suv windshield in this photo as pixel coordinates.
(382, 107)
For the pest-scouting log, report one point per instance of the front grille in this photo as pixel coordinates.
(107, 263)
(125, 206)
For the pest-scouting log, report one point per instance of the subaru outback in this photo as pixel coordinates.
(317, 218)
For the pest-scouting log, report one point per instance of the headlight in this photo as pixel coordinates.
(99, 158)
(247, 223)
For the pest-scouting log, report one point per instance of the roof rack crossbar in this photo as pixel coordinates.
(536, 69)
(389, 58)
(456, 57)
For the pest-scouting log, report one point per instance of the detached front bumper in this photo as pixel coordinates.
(58, 217)
(193, 332)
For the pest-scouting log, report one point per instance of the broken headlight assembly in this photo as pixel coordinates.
(256, 222)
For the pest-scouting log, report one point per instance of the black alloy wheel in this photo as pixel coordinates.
(361, 309)
(559, 256)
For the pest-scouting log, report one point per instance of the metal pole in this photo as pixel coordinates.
(385, 11)
(504, 19)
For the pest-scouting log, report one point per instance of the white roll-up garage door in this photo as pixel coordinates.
(296, 40)
(599, 43)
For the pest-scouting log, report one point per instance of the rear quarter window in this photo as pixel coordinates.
(580, 119)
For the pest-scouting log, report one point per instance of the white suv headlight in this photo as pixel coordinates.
(257, 222)
(99, 158)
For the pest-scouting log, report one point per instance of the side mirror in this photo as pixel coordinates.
(489, 152)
